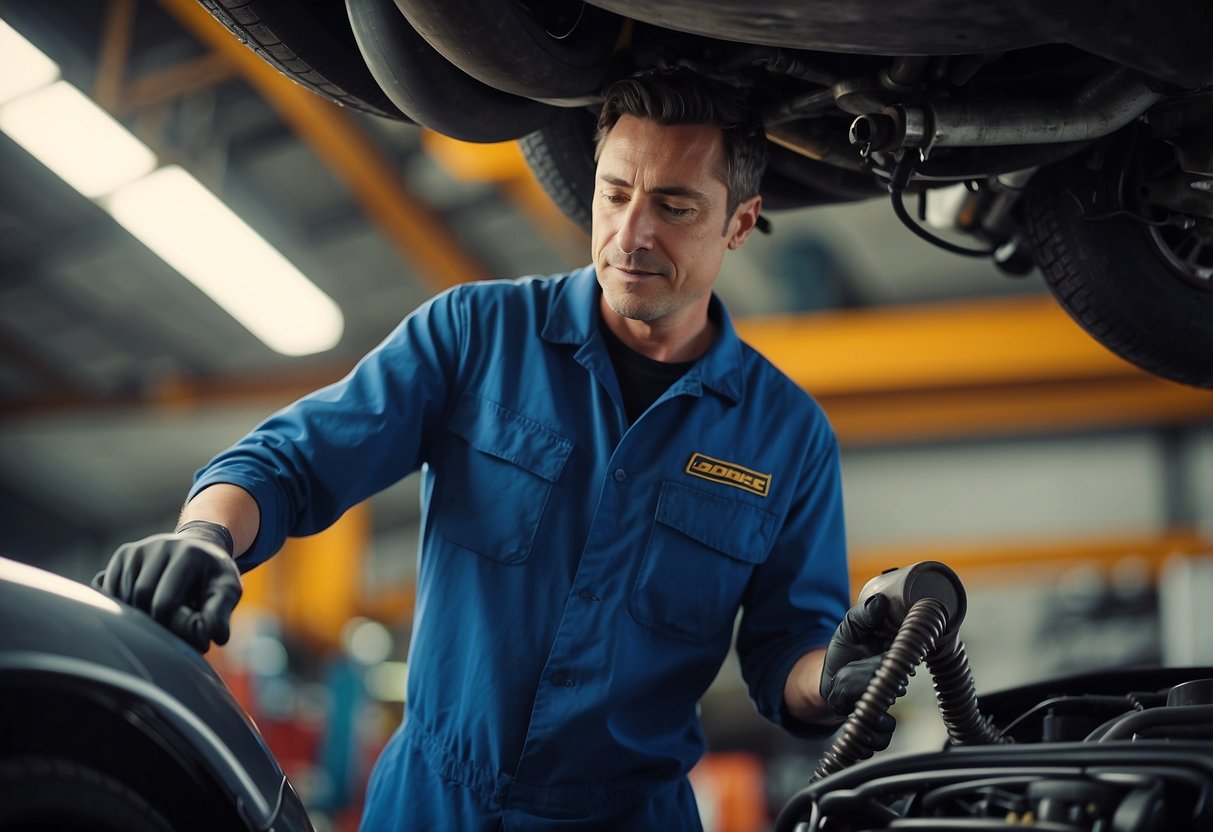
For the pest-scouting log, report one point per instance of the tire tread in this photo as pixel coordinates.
(345, 81)
(1073, 257)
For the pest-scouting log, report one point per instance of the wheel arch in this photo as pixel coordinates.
(107, 729)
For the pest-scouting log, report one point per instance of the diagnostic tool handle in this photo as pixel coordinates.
(925, 579)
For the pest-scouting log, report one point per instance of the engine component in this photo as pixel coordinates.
(1112, 751)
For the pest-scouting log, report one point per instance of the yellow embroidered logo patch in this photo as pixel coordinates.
(728, 473)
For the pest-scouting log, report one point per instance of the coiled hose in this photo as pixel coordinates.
(915, 642)
(957, 697)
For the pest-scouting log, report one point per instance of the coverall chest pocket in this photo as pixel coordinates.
(497, 479)
(701, 552)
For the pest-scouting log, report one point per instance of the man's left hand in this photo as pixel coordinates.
(854, 653)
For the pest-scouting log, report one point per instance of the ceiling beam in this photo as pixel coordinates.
(1023, 409)
(179, 393)
(416, 231)
(174, 82)
(951, 344)
(114, 52)
(503, 165)
(1009, 367)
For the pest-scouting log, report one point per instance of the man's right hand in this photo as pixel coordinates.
(186, 580)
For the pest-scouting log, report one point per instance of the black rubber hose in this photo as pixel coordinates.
(1173, 716)
(902, 173)
(957, 697)
(801, 809)
(915, 640)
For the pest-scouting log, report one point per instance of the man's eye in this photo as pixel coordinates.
(615, 199)
(678, 212)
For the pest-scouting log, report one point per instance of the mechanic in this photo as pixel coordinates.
(609, 476)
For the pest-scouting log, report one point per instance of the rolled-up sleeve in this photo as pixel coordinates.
(308, 463)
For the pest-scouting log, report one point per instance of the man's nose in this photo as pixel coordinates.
(636, 230)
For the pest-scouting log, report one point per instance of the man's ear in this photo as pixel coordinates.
(745, 218)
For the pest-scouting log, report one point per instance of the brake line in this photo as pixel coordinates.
(902, 172)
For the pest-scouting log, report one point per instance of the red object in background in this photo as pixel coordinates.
(293, 743)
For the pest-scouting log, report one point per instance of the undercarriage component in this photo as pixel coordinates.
(1099, 109)
(847, 93)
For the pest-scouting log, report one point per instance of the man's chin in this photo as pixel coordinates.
(628, 305)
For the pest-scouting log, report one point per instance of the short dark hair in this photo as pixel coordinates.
(680, 96)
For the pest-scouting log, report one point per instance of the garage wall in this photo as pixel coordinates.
(1047, 488)
(1199, 476)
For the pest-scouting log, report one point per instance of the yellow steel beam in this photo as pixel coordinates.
(314, 585)
(988, 368)
(955, 344)
(502, 164)
(977, 368)
(115, 50)
(415, 230)
(176, 81)
(1013, 409)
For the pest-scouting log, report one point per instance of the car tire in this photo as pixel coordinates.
(502, 44)
(431, 90)
(1122, 280)
(311, 42)
(561, 156)
(43, 793)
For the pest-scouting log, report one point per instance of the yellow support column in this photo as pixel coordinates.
(260, 588)
(319, 583)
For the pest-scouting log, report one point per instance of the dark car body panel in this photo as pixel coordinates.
(56, 633)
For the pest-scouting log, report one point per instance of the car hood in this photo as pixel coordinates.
(51, 625)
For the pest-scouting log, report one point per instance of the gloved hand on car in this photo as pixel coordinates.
(851, 660)
(186, 580)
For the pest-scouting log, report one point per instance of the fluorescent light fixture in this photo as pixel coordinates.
(23, 66)
(167, 209)
(175, 216)
(66, 131)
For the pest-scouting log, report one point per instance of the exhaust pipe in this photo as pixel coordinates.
(1102, 107)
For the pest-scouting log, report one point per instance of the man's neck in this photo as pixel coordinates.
(685, 339)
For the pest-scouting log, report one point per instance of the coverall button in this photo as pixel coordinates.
(620, 475)
(561, 679)
(587, 596)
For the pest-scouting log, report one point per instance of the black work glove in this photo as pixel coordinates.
(186, 580)
(855, 651)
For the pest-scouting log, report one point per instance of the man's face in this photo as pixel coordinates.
(659, 230)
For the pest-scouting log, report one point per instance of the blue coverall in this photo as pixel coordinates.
(579, 576)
